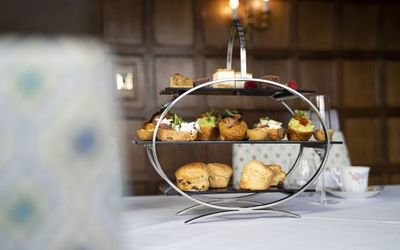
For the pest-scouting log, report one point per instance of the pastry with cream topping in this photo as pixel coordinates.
(266, 129)
(175, 129)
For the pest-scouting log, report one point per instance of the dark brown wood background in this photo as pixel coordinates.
(349, 50)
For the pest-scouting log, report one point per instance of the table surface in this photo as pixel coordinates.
(373, 223)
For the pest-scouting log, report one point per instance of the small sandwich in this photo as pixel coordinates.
(266, 129)
(231, 126)
(146, 131)
(175, 129)
(300, 127)
(206, 126)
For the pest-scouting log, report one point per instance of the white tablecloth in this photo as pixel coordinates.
(374, 223)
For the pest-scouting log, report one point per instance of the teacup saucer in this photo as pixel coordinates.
(371, 191)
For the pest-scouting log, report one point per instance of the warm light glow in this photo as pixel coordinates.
(266, 0)
(234, 4)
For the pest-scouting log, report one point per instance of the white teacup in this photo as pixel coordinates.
(352, 178)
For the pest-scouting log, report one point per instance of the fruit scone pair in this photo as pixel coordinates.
(199, 176)
(258, 176)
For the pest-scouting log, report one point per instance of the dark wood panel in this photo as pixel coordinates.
(391, 26)
(394, 140)
(359, 88)
(320, 76)
(392, 73)
(358, 26)
(123, 20)
(277, 35)
(173, 22)
(315, 22)
(133, 157)
(48, 17)
(216, 21)
(362, 135)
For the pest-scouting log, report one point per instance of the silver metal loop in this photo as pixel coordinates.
(156, 164)
(237, 28)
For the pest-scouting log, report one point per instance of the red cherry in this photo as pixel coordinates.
(303, 121)
(293, 84)
(250, 85)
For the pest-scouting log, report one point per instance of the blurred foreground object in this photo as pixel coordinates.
(60, 184)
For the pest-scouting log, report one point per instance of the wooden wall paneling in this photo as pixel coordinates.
(315, 24)
(318, 75)
(166, 67)
(123, 20)
(216, 21)
(359, 88)
(391, 26)
(173, 22)
(277, 34)
(359, 26)
(362, 138)
(393, 139)
(133, 158)
(392, 79)
(131, 71)
(377, 177)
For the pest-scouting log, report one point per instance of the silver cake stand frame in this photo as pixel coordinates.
(246, 206)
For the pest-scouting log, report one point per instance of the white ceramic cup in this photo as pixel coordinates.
(352, 178)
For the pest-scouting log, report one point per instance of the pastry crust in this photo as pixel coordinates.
(279, 174)
(145, 133)
(235, 133)
(180, 81)
(173, 135)
(295, 135)
(319, 135)
(192, 177)
(207, 133)
(275, 134)
(257, 134)
(219, 174)
(256, 176)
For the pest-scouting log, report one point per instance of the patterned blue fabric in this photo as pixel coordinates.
(59, 174)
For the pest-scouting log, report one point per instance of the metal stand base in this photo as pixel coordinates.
(267, 211)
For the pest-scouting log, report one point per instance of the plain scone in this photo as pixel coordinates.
(256, 176)
(192, 177)
(279, 176)
(219, 174)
